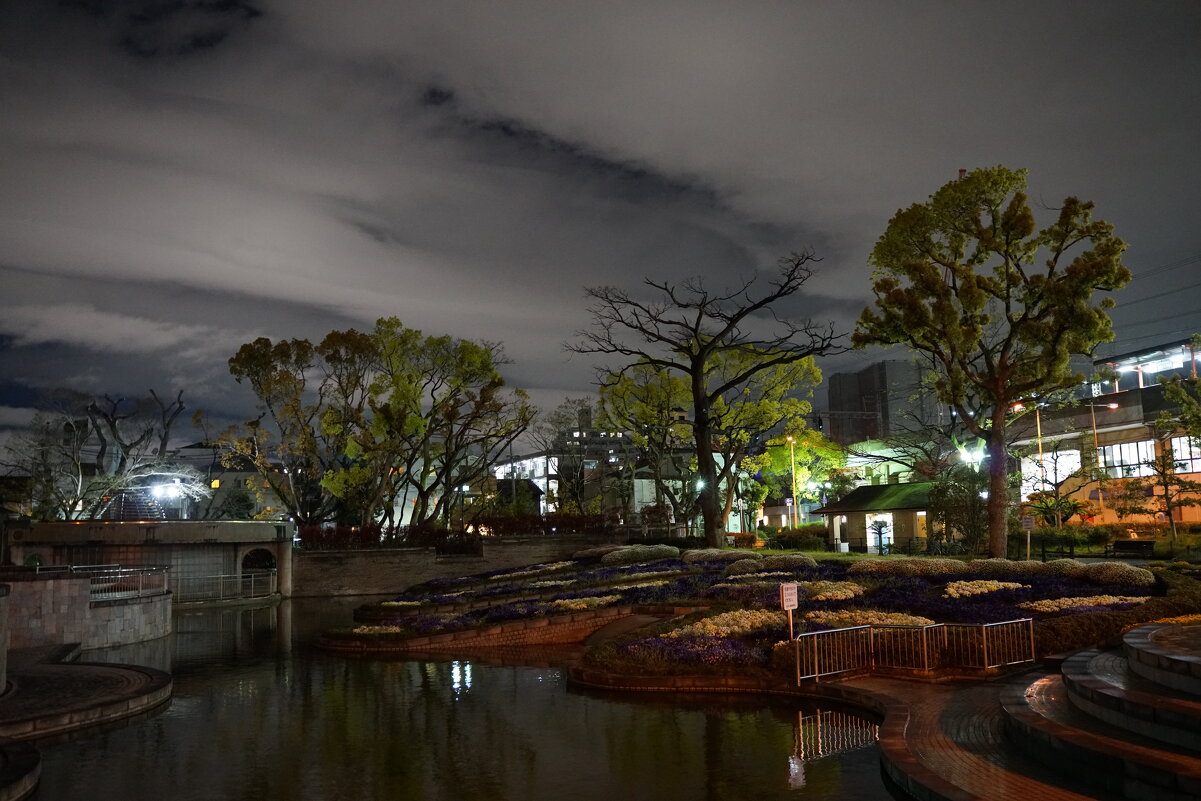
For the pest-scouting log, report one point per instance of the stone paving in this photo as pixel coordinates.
(47, 697)
(954, 731)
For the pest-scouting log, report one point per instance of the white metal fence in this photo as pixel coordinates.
(110, 582)
(250, 584)
(938, 646)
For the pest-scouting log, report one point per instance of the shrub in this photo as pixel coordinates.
(639, 553)
(595, 553)
(743, 566)
(717, 555)
(909, 566)
(1118, 573)
(788, 561)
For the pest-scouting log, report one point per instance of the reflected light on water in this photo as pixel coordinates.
(460, 677)
(258, 713)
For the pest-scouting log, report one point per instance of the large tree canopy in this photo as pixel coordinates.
(348, 425)
(998, 305)
(722, 343)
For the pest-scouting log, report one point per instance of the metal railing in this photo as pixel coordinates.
(250, 584)
(111, 582)
(938, 646)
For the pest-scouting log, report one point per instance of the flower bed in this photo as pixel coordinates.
(1075, 604)
(965, 589)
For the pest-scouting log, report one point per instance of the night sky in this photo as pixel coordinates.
(177, 178)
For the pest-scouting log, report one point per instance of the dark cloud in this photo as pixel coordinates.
(180, 177)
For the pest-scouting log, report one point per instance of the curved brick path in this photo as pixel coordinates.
(47, 697)
(954, 731)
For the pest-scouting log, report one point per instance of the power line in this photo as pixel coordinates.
(1172, 265)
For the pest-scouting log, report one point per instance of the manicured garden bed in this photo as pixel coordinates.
(739, 623)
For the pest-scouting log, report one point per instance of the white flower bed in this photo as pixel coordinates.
(964, 589)
(1052, 605)
(845, 618)
(831, 590)
(580, 604)
(731, 624)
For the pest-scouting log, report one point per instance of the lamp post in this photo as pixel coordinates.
(1092, 410)
(792, 469)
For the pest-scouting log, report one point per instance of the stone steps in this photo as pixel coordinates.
(1104, 724)
(1101, 684)
(1167, 655)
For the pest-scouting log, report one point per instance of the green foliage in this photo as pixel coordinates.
(998, 305)
(957, 506)
(360, 418)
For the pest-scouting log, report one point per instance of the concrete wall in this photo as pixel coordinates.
(380, 572)
(58, 610)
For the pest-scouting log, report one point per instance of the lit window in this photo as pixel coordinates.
(1187, 455)
(1128, 458)
(215, 483)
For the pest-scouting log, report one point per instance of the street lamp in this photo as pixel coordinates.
(792, 467)
(1092, 410)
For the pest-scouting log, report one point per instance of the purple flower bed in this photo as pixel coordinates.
(694, 650)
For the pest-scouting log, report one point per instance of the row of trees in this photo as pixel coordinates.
(995, 305)
(358, 421)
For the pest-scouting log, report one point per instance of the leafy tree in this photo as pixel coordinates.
(956, 504)
(468, 422)
(289, 444)
(997, 304)
(360, 418)
(718, 342)
(648, 402)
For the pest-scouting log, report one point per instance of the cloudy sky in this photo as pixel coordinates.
(177, 178)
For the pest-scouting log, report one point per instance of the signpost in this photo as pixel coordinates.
(788, 602)
(1027, 526)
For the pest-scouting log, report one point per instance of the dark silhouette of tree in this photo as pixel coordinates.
(691, 331)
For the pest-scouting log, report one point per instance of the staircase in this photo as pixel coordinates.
(1124, 724)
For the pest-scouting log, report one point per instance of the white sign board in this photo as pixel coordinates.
(1027, 522)
(788, 598)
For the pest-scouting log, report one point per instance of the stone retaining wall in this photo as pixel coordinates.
(55, 610)
(387, 572)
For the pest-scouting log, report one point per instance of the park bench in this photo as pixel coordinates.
(1140, 549)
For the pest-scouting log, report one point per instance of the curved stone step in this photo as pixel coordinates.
(1043, 722)
(1101, 684)
(1167, 654)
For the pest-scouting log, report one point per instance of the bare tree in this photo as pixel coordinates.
(690, 330)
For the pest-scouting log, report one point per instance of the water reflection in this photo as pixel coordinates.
(254, 719)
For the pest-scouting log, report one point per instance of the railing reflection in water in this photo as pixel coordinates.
(826, 733)
(925, 648)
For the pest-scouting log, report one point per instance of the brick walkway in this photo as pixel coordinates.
(48, 697)
(953, 731)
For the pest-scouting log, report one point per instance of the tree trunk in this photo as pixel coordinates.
(706, 467)
(998, 492)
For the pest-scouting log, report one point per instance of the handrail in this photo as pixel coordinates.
(871, 647)
(128, 582)
(248, 584)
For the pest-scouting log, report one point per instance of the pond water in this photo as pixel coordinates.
(257, 714)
